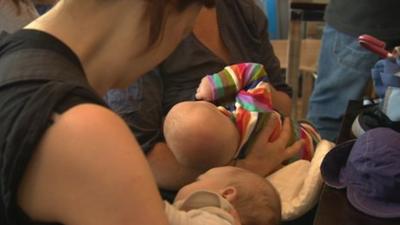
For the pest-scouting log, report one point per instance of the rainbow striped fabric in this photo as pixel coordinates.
(248, 102)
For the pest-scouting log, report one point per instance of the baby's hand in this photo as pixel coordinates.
(204, 91)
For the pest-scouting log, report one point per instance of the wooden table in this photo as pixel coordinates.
(335, 209)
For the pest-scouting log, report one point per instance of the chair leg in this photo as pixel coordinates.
(293, 52)
(307, 86)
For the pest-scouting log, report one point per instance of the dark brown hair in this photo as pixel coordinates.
(155, 13)
(17, 3)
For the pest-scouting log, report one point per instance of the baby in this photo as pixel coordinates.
(203, 136)
(226, 195)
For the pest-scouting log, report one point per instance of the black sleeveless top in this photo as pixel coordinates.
(244, 29)
(39, 76)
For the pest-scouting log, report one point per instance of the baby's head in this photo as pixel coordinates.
(254, 198)
(196, 132)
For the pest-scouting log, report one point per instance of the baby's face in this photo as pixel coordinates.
(213, 180)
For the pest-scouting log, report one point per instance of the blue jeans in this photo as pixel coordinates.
(344, 71)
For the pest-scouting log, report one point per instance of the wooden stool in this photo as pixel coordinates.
(308, 61)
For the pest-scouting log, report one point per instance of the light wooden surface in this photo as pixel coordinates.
(309, 54)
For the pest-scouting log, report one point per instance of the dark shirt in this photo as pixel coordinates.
(243, 29)
(39, 76)
(379, 18)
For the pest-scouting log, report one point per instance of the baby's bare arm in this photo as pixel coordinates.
(168, 172)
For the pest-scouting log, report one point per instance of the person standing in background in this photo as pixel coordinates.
(345, 66)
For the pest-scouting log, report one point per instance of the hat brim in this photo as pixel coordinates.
(334, 162)
(373, 207)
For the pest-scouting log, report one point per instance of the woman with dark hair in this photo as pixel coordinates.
(234, 31)
(65, 158)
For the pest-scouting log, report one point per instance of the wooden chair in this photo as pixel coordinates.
(308, 61)
(301, 11)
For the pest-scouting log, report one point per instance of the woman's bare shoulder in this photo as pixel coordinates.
(88, 158)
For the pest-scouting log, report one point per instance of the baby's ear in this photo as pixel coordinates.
(229, 193)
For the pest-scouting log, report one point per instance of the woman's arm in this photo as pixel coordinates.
(89, 170)
(264, 158)
(169, 174)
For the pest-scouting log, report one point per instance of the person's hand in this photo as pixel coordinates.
(204, 91)
(265, 157)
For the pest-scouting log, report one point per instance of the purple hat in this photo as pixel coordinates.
(369, 168)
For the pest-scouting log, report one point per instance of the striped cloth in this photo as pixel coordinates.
(246, 98)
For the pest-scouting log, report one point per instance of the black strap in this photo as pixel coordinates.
(33, 115)
(38, 64)
(3, 34)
